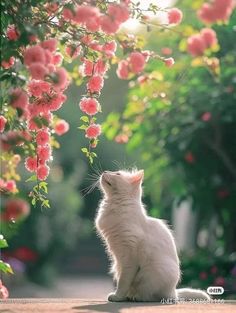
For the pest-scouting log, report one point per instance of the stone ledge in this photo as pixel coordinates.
(95, 306)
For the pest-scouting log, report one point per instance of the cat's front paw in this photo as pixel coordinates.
(113, 297)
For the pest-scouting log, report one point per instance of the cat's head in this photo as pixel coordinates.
(122, 183)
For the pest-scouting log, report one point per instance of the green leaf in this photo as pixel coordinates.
(84, 118)
(3, 243)
(84, 150)
(32, 178)
(5, 267)
(45, 203)
(83, 127)
(43, 185)
(33, 201)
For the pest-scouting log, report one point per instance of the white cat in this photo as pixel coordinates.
(145, 264)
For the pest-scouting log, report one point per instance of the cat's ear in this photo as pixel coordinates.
(137, 177)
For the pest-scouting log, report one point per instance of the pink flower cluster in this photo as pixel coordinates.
(198, 43)
(12, 33)
(134, 64)
(93, 20)
(6, 64)
(216, 10)
(8, 185)
(43, 96)
(94, 72)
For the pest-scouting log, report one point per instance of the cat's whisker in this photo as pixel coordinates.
(85, 191)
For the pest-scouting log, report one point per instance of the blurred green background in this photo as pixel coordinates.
(190, 173)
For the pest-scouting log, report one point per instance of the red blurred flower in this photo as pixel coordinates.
(16, 208)
(189, 157)
(219, 281)
(25, 254)
(206, 116)
(223, 193)
(203, 275)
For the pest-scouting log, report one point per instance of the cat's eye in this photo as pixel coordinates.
(117, 173)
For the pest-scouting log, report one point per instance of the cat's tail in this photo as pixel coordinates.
(192, 294)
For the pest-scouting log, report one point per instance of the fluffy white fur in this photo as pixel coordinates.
(145, 264)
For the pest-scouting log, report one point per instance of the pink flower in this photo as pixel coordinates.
(44, 152)
(51, 68)
(34, 54)
(166, 51)
(169, 62)
(4, 294)
(57, 59)
(73, 51)
(19, 98)
(137, 62)
(61, 127)
(33, 38)
(209, 37)
(8, 64)
(93, 24)
(89, 106)
(12, 33)
(67, 14)
(3, 122)
(50, 44)
(142, 79)
(95, 46)
(42, 137)
(95, 84)
(175, 16)
(206, 116)
(31, 164)
(123, 69)
(38, 87)
(100, 67)
(51, 7)
(87, 68)
(118, 12)
(93, 131)
(42, 172)
(48, 56)
(56, 102)
(11, 186)
(61, 79)
(85, 12)
(196, 45)
(108, 25)
(38, 70)
(122, 138)
(110, 48)
(215, 11)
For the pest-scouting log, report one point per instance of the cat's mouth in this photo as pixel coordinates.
(106, 181)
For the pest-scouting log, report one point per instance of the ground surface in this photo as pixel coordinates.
(93, 306)
(80, 287)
